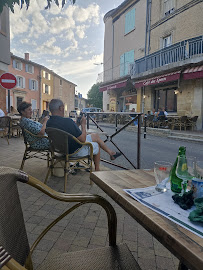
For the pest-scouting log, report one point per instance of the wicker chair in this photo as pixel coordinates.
(31, 152)
(191, 122)
(5, 124)
(181, 122)
(15, 253)
(59, 141)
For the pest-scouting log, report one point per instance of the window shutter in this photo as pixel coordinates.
(43, 88)
(49, 76)
(36, 85)
(26, 67)
(21, 65)
(43, 73)
(33, 69)
(30, 84)
(14, 63)
(122, 65)
(49, 90)
(23, 82)
(130, 21)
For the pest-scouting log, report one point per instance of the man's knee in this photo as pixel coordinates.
(95, 137)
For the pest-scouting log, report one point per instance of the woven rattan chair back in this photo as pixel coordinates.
(13, 235)
(5, 122)
(59, 140)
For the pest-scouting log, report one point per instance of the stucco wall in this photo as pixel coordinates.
(65, 92)
(26, 93)
(5, 38)
(46, 97)
(185, 25)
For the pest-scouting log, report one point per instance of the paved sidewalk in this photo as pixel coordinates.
(86, 227)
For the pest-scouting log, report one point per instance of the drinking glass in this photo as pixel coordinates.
(183, 172)
(161, 172)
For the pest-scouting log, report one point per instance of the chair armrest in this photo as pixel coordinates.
(37, 137)
(80, 199)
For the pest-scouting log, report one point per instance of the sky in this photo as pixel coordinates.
(68, 41)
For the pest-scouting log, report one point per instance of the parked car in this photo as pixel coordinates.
(73, 115)
(91, 109)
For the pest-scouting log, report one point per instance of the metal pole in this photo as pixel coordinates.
(88, 121)
(9, 102)
(138, 141)
(116, 121)
(145, 126)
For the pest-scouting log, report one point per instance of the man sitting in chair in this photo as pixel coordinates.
(58, 121)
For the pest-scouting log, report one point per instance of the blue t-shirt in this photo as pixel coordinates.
(34, 127)
(67, 125)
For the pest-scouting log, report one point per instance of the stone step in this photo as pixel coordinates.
(189, 139)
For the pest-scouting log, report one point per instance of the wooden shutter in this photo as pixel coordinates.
(30, 84)
(49, 76)
(14, 63)
(49, 87)
(36, 85)
(130, 21)
(122, 68)
(26, 67)
(23, 82)
(43, 88)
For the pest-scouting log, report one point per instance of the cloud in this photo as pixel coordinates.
(48, 47)
(80, 31)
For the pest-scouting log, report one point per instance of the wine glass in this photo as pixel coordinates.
(183, 173)
(161, 172)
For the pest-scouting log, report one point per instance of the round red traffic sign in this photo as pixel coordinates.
(8, 81)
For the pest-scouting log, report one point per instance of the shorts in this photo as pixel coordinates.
(85, 150)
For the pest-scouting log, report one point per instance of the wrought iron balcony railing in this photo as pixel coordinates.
(175, 53)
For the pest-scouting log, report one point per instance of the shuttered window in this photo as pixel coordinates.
(29, 68)
(20, 82)
(125, 60)
(33, 84)
(130, 21)
(169, 7)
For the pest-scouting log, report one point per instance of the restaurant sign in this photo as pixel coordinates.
(113, 86)
(159, 79)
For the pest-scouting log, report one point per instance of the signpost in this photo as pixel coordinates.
(8, 81)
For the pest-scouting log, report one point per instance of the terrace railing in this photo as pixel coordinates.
(175, 53)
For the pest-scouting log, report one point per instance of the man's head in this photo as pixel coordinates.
(56, 107)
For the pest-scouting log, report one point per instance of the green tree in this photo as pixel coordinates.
(95, 98)
(11, 3)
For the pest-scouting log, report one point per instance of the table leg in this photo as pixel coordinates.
(182, 266)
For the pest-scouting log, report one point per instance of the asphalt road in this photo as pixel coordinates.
(153, 148)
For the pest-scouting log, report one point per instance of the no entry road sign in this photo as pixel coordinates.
(8, 81)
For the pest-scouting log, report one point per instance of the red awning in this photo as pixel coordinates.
(193, 73)
(159, 79)
(113, 86)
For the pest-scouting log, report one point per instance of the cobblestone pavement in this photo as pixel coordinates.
(86, 227)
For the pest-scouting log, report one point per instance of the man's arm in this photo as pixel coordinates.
(82, 137)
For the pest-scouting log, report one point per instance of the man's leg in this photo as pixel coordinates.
(96, 159)
(96, 138)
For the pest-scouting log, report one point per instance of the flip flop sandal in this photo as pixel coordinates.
(117, 154)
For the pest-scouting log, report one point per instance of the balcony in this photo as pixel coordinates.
(179, 53)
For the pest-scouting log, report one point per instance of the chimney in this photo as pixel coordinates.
(27, 56)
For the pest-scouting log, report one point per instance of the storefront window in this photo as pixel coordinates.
(165, 98)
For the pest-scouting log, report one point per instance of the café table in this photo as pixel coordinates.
(185, 245)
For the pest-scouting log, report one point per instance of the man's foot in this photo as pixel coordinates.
(117, 154)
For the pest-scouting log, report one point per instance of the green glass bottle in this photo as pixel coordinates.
(175, 181)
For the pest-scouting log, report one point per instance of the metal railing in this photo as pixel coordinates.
(175, 53)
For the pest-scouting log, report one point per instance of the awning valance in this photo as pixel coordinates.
(159, 79)
(193, 73)
(116, 85)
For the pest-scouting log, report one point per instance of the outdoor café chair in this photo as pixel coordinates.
(15, 252)
(5, 124)
(180, 122)
(191, 122)
(59, 142)
(32, 152)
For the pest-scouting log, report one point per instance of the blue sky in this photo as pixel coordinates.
(69, 41)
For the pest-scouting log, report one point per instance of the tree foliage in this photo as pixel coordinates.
(21, 3)
(95, 98)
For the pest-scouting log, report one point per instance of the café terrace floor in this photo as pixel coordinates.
(84, 228)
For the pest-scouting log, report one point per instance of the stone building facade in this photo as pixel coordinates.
(124, 42)
(171, 75)
(64, 90)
